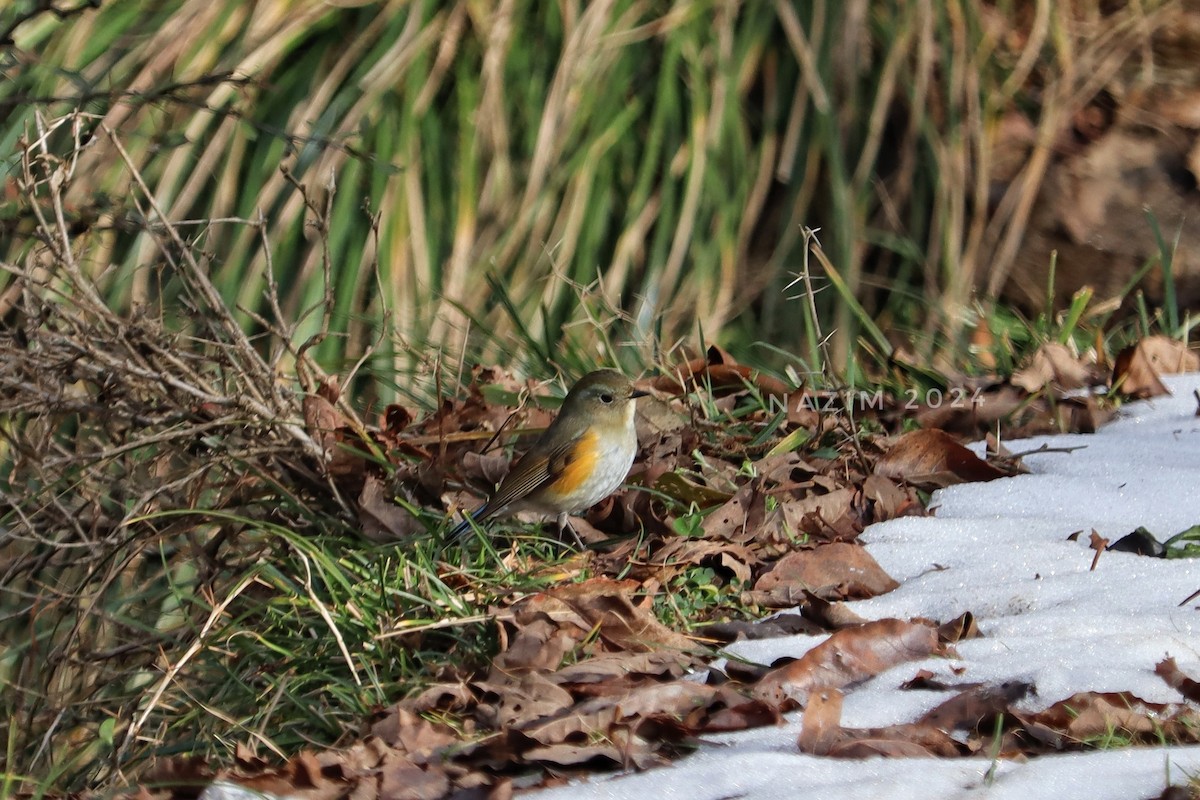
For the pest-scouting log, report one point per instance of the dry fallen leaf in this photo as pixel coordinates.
(834, 571)
(718, 370)
(543, 632)
(514, 700)
(603, 670)
(822, 721)
(770, 628)
(1177, 679)
(1053, 363)
(596, 718)
(1098, 543)
(849, 655)
(401, 779)
(976, 706)
(607, 607)
(1137, 368)
(890, 500)
(900, 747)
(406, 731)
(961, 627)
(1090, 714)
(932, 457)
(381, 519)
(954, 728)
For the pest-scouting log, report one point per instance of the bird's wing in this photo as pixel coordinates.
(532, 473)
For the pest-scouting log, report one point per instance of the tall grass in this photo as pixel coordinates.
(667, 155)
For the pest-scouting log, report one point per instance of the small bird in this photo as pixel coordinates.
(579, 460)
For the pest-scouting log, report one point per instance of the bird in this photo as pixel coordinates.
(581, 458)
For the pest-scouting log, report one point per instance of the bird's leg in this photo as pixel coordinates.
(564, 525)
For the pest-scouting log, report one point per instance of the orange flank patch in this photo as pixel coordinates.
(580, 466)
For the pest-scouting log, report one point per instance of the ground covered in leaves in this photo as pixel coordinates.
(758, 506)
(200, 560)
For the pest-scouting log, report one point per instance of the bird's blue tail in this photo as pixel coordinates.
(460, 531)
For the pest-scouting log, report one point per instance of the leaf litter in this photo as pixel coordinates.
(587, 675)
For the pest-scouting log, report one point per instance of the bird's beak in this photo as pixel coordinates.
(636, 393)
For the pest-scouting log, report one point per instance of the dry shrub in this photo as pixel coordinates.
(132, 447)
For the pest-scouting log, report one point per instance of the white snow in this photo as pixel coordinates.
(1000, 550)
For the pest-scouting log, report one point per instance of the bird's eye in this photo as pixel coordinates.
(606, 398)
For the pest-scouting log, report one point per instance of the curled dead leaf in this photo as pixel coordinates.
(1090, 714)
(976, 706)
(958, 629)
(833, 571)
(1137, 368)
(380, 518)
(849, 655)
(607, 607)
(1177, 679)
(541, 635)
(822, 721)
(1053, 363)
(679, 488)
(720, 371)
(933, 458)
(610, 667)
(513, 700)
(900, 747)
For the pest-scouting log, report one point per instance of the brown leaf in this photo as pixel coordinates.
(607, 607)
(933, 457)
(612, 666)
(381, 519)
(890, 748)
(1177, 679)
(802, 410)
(975, 413)
(825, 517)
(976, 706)
(1089, 714)
(247, 759)
(730, 522)
(1137, 368)
(961, 627)
(657, 419)
(822, 722)
(890, 500)
(748, 630)
(394, 419)
(597, 717)
(718, 370)
(830, 616)
(1053, 363)
(572, 754)
(514, 700)
(686, 492)
(486, 470)
(541, 638)
(1081, 414)
(729, 710)
(849, 655)
(321, 420)
(927, 681)
(679, 553)
(440, 696)
(1097, 543)
(401, 779)
(834, 571)
(303, 771)
(411, 734)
